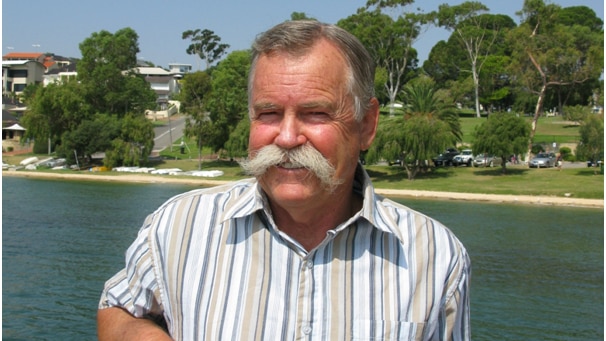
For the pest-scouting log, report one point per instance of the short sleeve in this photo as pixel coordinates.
(135, 288)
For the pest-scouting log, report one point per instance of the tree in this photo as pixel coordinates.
(502, 134)
(577, 113)
(105, 59)
(54, 110)
(548, 54)
(205, 44)
(389, 41)
(134, 144)
(300, 16)
(104, 106)
(227, 101)
(428, 126)
(90, 136)
(471, 31)
(591, 133)
(237, 144)
(195, 87)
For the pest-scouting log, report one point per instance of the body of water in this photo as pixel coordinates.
(537, 270)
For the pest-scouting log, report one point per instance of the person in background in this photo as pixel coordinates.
(306, 249)
(559, 161)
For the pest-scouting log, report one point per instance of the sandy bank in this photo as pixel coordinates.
(146, 178)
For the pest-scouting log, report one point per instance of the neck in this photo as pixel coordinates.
(308, 224)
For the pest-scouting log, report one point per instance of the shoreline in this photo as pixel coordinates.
(418, 194)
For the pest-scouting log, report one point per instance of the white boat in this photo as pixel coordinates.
(28, 161)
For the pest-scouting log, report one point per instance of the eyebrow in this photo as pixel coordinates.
(308, 105)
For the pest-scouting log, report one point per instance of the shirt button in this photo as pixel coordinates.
(307, 330)
(310, 264)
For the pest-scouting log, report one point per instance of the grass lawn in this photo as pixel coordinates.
(519, 180)
(577, 182)
(549, 129)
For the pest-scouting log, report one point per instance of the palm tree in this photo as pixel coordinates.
(429, 125)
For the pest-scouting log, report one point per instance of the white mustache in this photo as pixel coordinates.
(301, 157)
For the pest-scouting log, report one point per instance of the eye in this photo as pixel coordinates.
(317, 116)
(267, 116)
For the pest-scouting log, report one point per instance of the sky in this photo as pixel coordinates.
(59, 26)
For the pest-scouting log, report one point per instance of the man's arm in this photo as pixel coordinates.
(117, 324)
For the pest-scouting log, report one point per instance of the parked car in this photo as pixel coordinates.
(445, 159)
(396, 162)
(487, 160)
(543, 160)
(465, 158)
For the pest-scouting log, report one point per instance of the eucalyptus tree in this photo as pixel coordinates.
(429, 125)
(206, 45)
(389, 40)
(216, 102)
(503, 134)
(548, 54)
(195, 87)
(471, 30)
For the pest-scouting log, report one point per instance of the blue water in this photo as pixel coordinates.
(537, 270)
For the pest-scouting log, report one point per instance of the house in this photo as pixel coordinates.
(179, 69)
(16, 74)
(12, 134)
(60, 74)
(164, 83)
(22, 68)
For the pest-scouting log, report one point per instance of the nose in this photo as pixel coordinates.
(291, 133)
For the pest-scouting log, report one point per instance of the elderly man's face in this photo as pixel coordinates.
(303, 100)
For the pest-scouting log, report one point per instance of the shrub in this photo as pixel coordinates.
(567, 154)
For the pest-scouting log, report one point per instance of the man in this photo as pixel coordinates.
(307, 250)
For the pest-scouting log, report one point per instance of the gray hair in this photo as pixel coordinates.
(298, 36)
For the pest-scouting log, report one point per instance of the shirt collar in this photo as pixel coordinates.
(247, 198)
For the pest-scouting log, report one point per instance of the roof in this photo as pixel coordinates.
(22, 55)
(15, 126)
(152, 71)
(15, 62)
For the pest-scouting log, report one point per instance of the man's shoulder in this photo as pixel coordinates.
(231, 192)
(230, 189)
(404, 220)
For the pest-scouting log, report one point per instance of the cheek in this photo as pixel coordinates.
(260, 136)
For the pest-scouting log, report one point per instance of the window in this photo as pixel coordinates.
(17, 73)
(18, 87)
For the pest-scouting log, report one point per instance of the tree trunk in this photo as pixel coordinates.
(537, 113)
(476, 88)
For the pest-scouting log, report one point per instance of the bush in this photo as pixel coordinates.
(9, 149)
(567, 154)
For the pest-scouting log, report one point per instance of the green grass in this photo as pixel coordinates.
(549, 129)
(519, 180)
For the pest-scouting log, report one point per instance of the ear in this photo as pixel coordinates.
(368, 126)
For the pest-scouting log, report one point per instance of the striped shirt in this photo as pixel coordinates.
(215, 266)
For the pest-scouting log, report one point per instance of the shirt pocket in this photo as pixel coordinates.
(387, 330)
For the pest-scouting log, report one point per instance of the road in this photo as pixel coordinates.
(169, 133)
